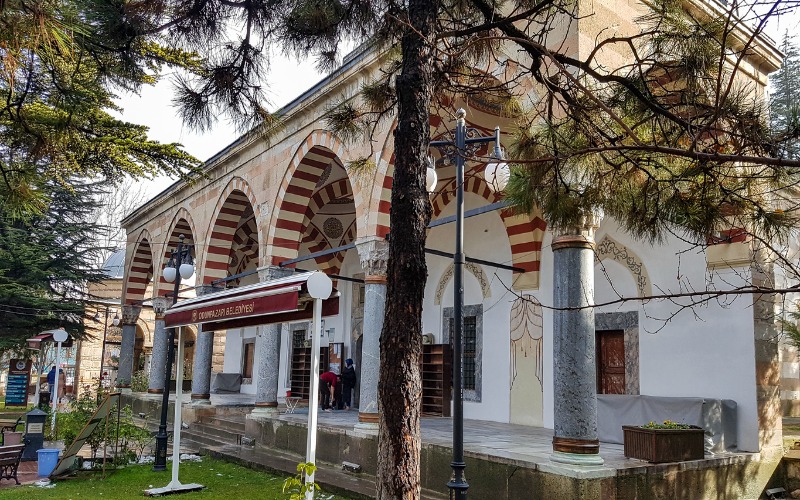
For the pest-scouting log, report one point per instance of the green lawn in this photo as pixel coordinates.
(222, 481)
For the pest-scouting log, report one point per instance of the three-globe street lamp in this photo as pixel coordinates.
(466, 143)
(115, 322)
(180, 266)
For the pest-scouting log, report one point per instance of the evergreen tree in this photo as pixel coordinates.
(784, 103)
(46, 261)
(59, 63)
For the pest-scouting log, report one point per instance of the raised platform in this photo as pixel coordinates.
(504, 461)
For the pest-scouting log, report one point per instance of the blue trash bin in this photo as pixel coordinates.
(48, 459)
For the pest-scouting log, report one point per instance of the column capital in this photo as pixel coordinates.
(580, 234)
(130, 314)
(374, 255)
(160, 306)
(267, 273)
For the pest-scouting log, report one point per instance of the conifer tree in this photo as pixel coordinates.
(784, 103)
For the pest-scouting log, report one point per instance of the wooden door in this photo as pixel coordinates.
(611, 362)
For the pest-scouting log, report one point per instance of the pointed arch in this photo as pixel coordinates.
(234, 228)
(182, 224)
(140, 269)
(296, 195)
(609, 248)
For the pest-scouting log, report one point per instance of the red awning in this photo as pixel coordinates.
(276, 301)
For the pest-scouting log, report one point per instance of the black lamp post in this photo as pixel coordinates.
(180, 265)
(115, 322)
(465, 144)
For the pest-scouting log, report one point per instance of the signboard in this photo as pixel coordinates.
(19, 375)
(69, 460)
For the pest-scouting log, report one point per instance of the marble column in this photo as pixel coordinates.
(373, 253)
(158, 358)
(574, 365)
(203, 352)
(130, 314)
(267, 356)
(201, 369)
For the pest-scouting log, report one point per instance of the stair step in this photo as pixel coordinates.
(231, 424)
(223, 434)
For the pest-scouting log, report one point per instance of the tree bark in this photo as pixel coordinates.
(399, 386)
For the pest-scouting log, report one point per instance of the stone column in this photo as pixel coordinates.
(267, 356)
(158, 358)
(201, 369)
(574, 365)
(130, 314)
(374, 253)
(203, 351)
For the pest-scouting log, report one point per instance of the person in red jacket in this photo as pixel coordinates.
(327, 384)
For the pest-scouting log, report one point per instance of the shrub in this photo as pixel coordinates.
(140, 382)
(296, 487)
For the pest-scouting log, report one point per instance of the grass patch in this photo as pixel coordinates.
(223, 480)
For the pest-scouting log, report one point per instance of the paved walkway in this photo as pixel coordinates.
(523, 445)
(27, 473)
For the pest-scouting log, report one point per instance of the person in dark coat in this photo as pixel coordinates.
(348, 382)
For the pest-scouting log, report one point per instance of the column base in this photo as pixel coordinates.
(155, 391)
(264, 410)
(201, 400)
(369, 418)
(576, 458)
(576, 445)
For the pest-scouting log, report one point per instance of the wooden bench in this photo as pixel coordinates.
(9, 461)
(8, 426)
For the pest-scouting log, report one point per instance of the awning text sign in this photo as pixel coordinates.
(235, 307)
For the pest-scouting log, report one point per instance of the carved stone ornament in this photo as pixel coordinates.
(273, 272)
(160, 306)
(585, 226)
(374, 255)
(130, 314)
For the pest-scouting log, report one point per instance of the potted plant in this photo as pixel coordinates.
(666, 442)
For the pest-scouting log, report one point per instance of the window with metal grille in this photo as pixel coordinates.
(470, 346)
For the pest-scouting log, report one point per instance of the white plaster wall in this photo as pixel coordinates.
(234, 339)
(706, 350)
(484, 238)
(233, 351)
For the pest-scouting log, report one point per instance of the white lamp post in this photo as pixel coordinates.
(319, 287)
(59, 336)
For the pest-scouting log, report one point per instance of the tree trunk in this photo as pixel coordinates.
(399, 386)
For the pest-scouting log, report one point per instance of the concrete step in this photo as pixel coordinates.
(231, 424)
(222, 434)
(201, 439)
(330, 477)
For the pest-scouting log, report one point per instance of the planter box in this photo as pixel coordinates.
(663, 445)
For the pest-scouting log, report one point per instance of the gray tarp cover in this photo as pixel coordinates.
(226, 382)
(716, 416)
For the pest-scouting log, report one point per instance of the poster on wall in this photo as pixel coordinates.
(19, 375)
(335, 361)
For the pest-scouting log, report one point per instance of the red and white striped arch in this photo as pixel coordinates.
(525, 233)
(140, 270)
(297, 189)
(182, 224)
(235, 203)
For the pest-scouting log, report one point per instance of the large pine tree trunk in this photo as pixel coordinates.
(399, 386)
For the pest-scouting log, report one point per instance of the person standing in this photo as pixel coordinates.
(51, 380)
(348, 382)
(327, 384)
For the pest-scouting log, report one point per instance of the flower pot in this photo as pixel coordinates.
(663, 445)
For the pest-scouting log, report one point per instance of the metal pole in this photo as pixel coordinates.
(458, 484)
(176, 424)
(160, 463)
(102, 358)
(313, 401)
(55, 389)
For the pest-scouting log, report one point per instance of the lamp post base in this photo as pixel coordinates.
(160, 463)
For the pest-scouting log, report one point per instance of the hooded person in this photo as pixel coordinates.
(348, 382)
